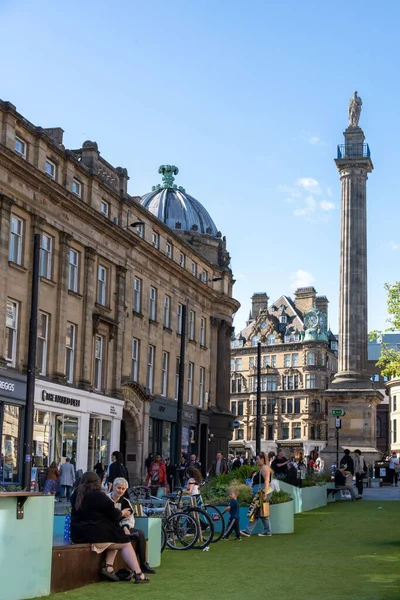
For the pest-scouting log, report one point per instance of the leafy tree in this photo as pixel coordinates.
(389, 360)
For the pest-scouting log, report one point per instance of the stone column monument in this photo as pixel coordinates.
(351, 390)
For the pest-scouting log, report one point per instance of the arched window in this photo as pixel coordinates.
(255, 340)
(271, 339)
(316, 406)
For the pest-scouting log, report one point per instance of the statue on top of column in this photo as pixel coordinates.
(354, 110)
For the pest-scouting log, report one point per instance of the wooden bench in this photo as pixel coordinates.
(76, 565)
(341, 488)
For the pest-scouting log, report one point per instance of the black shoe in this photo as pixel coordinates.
(146, 568)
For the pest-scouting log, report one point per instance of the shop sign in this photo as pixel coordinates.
(113, 411)
(46, 396)
(12, 388)
(187, 415)
(290, 444)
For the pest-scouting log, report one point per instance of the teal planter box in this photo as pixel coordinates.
(58, 524)
(25, 546)
(307, 498)
(281, 518)
(152, 531)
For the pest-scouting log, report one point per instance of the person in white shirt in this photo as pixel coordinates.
(393, 466)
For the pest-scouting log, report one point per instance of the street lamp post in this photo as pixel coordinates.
(31, 367)
(179, 416)
(258, 403)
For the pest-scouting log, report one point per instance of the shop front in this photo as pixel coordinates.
(162, 427)
(76, 423)
(12, 403)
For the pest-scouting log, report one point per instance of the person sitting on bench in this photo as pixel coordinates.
(340, 480)
(95, 520)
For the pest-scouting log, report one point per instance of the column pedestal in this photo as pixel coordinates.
(358, 425)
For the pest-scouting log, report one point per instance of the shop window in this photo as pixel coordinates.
(190, 383)
(164, 374)
(11, 333)
(65, 438)
(70, 352)
(73, 271)
(41, 438)
(99, 441)
(135, 359)
(42, 343)
(16, 239)
(10, 444)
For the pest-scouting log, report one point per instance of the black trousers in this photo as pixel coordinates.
(138, 535)
(359, 482)
(233, 524)
(393, 476)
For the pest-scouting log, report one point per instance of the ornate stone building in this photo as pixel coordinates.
(298, 360)
(114, 275)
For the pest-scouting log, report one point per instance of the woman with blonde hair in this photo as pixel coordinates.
(120, 485)
(262, 491)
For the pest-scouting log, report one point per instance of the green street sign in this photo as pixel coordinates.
(337, 412)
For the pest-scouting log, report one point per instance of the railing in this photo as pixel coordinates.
(353, 151)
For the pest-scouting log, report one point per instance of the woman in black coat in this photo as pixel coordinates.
(95, 520)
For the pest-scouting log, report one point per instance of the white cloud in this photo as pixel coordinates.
(308, 209)
(294, 192)
(394, 246)
(309, 184)
(327, 206)
(302, 279)
(312, 139)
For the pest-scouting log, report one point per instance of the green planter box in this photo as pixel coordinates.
(26, 546)
(281, 518)
(151, 527)
(307, 498)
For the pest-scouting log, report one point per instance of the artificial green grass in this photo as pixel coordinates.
(344, 551)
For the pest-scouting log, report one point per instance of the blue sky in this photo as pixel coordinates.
(248, 99)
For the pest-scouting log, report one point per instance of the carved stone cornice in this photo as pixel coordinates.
(100, 318)
(65, 238)
(6, 203)
(90, 253)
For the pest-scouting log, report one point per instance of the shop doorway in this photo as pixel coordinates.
(65, 438)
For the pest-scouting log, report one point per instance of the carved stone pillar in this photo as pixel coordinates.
(62, 307)
(87, 324)
(118, 354)
(5, 225)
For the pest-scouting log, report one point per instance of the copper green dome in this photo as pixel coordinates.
(177, 209)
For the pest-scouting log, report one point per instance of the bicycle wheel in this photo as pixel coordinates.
(218, 521)
(181, 531)
(163, 538)
(205, 524)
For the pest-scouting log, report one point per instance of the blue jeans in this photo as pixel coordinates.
(66, 489)
(265, 520)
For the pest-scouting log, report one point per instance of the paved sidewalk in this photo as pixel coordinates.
(385, 492)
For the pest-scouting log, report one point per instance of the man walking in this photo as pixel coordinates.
(393, 466)
(359, 470)
(67, 479)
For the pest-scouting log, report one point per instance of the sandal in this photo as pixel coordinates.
(140, 578)
(110, 574)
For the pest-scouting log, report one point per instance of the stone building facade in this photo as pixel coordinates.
(113, 280)
(298, 360)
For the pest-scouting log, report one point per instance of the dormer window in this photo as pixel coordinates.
(271, 339)
(283, 319)
(255, 340)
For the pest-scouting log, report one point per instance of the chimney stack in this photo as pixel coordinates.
(305, 298)
(259, 302)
